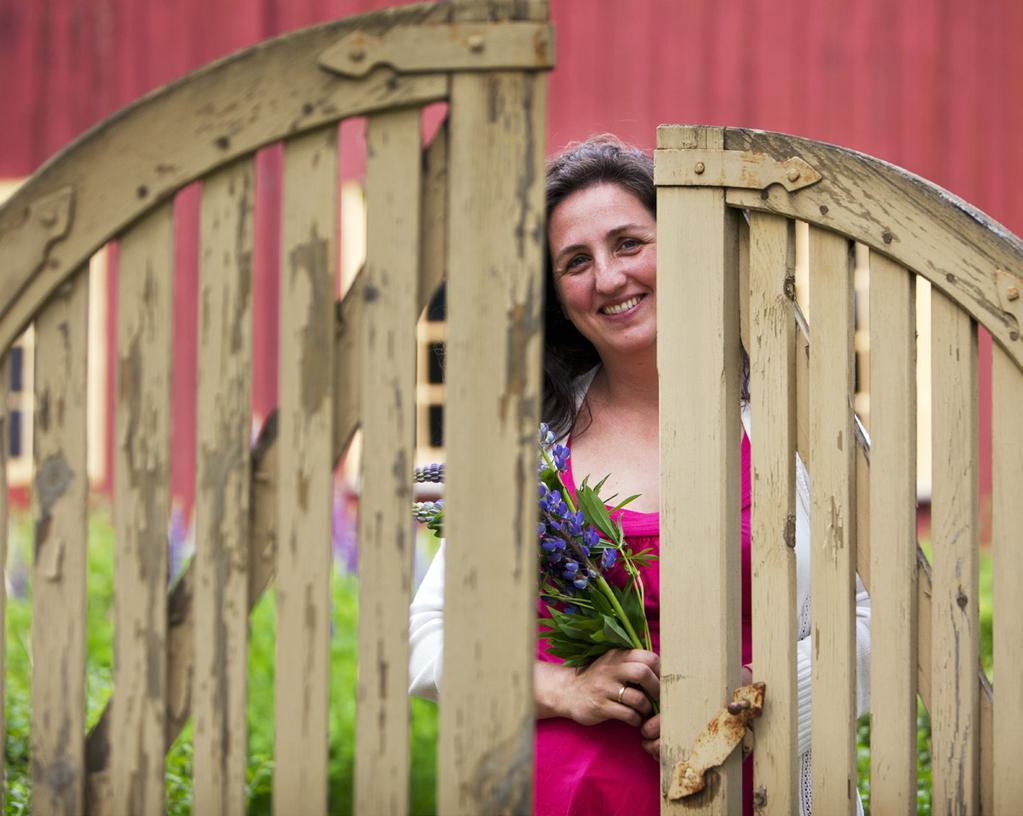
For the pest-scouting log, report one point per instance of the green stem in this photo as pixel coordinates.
(606, 589)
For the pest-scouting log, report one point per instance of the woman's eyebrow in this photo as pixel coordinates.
(612, 233)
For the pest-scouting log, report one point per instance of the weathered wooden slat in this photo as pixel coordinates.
(893, 521)
(698, 311)
(772, 522)
(1006, 539)
(386, 538)
(141, 511)
(495, 238)
(832, 524)
(955, 622)
(305, 473)
(59, 501)
(222, 495)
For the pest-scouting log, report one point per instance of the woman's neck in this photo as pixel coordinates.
(630, 383)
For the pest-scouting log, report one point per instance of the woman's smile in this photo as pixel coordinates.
(623, 307)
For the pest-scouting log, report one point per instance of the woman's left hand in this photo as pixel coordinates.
(651, 729)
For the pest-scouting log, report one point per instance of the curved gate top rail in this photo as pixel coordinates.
(128, 164)
(961, 250)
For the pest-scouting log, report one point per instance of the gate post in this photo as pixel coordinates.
(698, 364)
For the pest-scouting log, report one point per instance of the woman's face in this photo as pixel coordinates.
(604, 255)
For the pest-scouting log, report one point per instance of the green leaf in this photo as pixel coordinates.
(624, 502)
(615, 633)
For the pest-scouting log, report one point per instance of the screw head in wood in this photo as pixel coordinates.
(357, 54)
(793, 175)
(48, 217)
(700, 167)
(476, 43)
(1012, 293)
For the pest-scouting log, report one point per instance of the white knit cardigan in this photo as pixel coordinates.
(426, 625)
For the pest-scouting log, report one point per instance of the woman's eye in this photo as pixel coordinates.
(630, 243)
(575, 262)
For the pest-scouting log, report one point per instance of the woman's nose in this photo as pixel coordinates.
(609, 274)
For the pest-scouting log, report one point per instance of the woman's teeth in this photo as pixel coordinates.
(624, 306)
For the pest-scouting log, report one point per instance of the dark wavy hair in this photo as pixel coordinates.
(603, 159)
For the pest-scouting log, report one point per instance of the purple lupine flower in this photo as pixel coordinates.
(559, 453)
(424, 511)
(428, 473)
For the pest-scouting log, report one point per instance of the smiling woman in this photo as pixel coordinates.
(597, 733)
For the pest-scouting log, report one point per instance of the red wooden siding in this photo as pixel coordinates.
(933, 85)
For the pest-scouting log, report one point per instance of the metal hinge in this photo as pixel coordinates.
(717, 741)
(674, 167)
(447, 47)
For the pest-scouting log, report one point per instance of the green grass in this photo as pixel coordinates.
(99, 668)
(261, 683)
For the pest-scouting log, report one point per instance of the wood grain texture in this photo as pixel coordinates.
(59, 501)
(496, 241)
(141, 513)
(1006, 540)
(892, 486)
(832, 525)
(305, 475)
(917, 224)
(387, 354)
(698, 365)
(955, 623)
(222, 498)
(772, 518)
(220, 113)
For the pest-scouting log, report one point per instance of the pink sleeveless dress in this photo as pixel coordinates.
(602, 770)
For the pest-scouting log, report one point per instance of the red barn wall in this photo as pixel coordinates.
(933, 85)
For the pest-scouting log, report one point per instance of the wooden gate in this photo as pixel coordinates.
(728, 200)
(469, 207)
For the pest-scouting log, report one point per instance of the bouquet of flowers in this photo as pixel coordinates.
(579, 543)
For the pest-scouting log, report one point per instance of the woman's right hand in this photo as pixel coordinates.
(594, 694)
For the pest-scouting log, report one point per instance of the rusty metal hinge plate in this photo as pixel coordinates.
(714, 744)
(741, 169)
(448, 47)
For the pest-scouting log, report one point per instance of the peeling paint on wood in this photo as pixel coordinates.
(955, 627)
(141, 513)
(305, 471)
(387, 350)
(495, 261)
(222, 501)
(58, 597)
(772, 520)
(832, 522)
